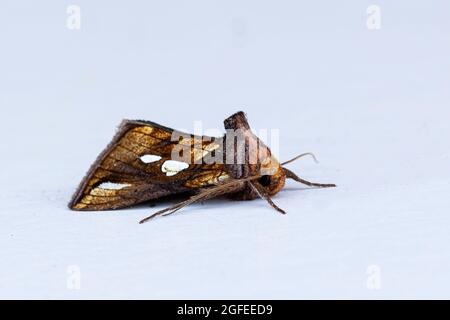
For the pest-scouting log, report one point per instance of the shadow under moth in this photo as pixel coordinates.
(146, 161)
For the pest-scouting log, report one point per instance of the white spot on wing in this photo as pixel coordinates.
(113, 186)
(172, 167)
(223, 177)
(149, 158)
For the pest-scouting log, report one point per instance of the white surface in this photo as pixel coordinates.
(372, 105)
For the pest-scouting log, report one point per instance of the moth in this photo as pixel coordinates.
(146, 161)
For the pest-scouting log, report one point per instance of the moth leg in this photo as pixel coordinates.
(203, 195)
(171, 209)
(264, 195)
(293, 176)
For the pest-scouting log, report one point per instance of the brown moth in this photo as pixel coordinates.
(138, 165)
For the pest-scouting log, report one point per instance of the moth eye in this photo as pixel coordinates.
(172, 167)
(149, 158)
(112, 186)
(265, 181)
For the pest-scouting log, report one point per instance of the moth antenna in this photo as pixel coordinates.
(293, 176)
(204, 195)
(300, 156)
(259, 189)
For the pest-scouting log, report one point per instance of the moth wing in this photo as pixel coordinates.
(123, 176)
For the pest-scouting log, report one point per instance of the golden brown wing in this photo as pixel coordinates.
(135, 167)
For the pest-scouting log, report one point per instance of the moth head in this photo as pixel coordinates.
(272, 175)
(258, 161)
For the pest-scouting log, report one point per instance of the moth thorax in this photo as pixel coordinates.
(250, 157)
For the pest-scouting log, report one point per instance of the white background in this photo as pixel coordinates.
(373, 105)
